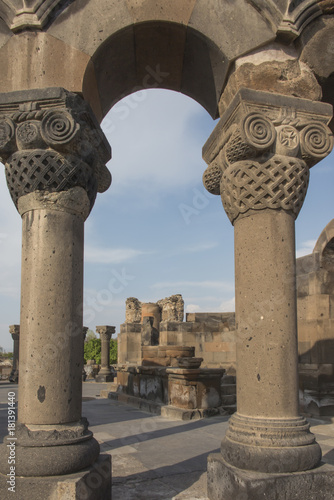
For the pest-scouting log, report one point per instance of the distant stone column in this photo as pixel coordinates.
(105, 374)
(84, 333)
(14, 330)
(259, 158)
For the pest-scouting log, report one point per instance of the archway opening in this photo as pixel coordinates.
(159, 55)
(151, 235)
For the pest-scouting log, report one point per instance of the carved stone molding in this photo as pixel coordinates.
(298, 15)
(290, 23)
(260, 153)
(51, 141)
(29, 14)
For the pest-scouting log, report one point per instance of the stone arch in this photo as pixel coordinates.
(180, 60)
(325, 245)
(53, 52)
(91, 41)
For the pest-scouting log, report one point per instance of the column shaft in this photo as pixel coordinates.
(267, 383)
(259, 158)
(105, 374)
(51, 317)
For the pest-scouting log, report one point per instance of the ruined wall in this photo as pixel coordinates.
(214, 337)
(315, 289)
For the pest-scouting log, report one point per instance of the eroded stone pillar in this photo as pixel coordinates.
(259, 157)
(105, 374)
(54, 153)
(14, 330)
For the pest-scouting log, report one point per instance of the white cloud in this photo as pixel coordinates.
(196, 248)
(111, 255)
(192, 308)
(227, 305)
(306, 248)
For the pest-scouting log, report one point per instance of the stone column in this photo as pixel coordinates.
(105, 374)
(14, 330)
(259, 158)
(54, 153)
(84, 333)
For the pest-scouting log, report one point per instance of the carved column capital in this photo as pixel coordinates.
(14, 330)
(50, 141)
(105, 332)
(260, 153)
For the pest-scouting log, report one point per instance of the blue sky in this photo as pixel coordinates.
(156, 231)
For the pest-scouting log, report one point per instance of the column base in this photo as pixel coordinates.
(93, 483)
(49, 450)
(270, 445)
(226, 482)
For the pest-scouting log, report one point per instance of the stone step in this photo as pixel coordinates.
(229, 399)
(229, 379)
(228, 389)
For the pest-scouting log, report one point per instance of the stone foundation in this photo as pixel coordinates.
(93, 483)
(226, 482)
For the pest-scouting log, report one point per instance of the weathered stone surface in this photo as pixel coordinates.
(226, 482)
(327, 6)
(92, 484)
(315, 289)
(287, 77)
(150, 335)
(172, 308)
(132, 310)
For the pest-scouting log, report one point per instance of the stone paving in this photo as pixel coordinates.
(155, 458)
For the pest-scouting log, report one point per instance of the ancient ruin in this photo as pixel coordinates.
(266, 70)
(14, 330)
(315, 292)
